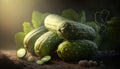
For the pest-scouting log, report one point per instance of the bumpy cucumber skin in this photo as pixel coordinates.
(68, 29)
(47, 44)
(96, 27)
(73, 31)
(31, 37)
(76, 50)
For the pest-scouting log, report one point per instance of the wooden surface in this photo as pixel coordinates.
(54, 64)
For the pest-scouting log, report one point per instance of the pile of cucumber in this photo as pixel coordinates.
(77, 38)
(70, 40)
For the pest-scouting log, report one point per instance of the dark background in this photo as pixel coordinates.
(14, 12)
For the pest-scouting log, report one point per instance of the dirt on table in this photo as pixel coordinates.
(9, 60)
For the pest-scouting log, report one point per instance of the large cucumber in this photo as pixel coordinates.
(68, 29)
(31, 37)
(76, 50)
(46, 44)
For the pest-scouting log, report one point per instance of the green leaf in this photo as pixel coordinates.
(38, 18)
(42, 18)
(82, 17)
(70, 14)
(114, 20)
(19, 39)
(27, 27)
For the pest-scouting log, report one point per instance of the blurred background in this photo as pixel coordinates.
(14, 12)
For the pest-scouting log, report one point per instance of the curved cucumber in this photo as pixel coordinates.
(68, 29)
(96, 27)
(32, 36)
(47, 44)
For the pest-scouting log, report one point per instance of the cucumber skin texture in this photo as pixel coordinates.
(96, 26)
(68, 29)
(47, 44)
(31, 37)
(76, 50)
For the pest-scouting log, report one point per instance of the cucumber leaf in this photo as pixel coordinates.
(70, 14)
(19, 39)
(27, 27)
(42, 18)
(114, 20)
(82, 16)
(38, 18)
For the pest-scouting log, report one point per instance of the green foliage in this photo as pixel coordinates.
(70, 14)
(114, 20)
(112, 38)
(73, 15)
(19, 39)
(35, 18)
(82, 18)
(42, 18)
(27, 27)
(38, 18)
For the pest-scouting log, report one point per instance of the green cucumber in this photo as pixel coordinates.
(44, 60)
(68, 29)
(96, 27)
(39, 62)
(31, 37)
(76, 50)
(46, 44)
(30, 59)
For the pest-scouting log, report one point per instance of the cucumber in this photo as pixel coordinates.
(96, 27)
(46, 44)
(31, 37)
(68, 29)
(21, 53)
(39, 62)
(76, 50)
(44, 60)
(30, 59)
